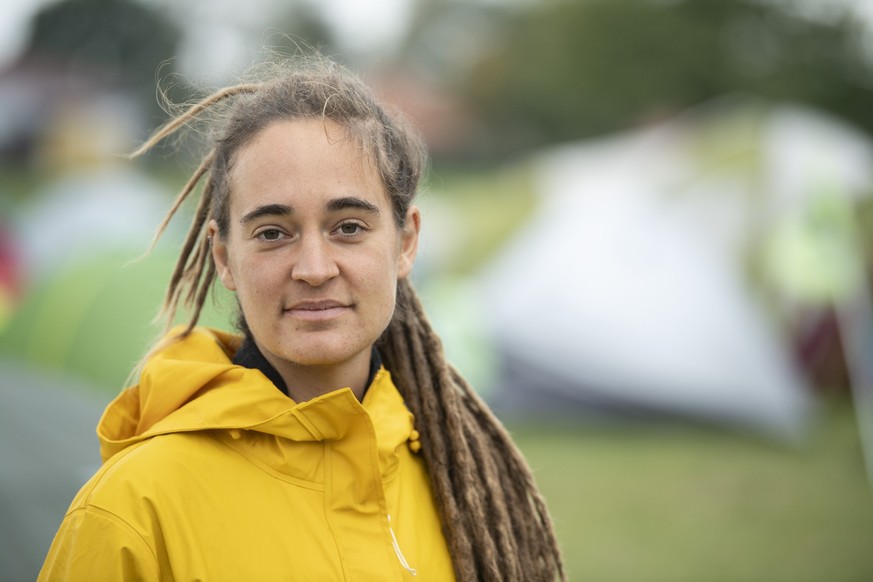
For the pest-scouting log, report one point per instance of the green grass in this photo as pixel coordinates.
(670, 503)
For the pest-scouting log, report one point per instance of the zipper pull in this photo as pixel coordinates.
(397, 551)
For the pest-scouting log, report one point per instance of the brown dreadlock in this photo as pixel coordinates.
(494, 519)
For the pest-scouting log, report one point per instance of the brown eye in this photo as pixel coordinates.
(351, 229)
(270, 234)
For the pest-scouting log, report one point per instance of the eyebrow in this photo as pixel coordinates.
(266, 210)
(348, 202)
(334, 205)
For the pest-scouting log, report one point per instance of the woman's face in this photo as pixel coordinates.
(312, 250)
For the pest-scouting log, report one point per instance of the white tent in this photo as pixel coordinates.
(628, 290)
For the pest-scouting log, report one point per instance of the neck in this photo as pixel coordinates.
(305, 382)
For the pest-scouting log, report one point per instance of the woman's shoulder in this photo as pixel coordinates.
(150, 469)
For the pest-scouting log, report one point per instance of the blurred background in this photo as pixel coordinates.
(647, 240)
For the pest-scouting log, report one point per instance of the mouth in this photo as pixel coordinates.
(317, 310)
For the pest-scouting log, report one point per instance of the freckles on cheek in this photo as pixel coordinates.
(258, 290)
(251, 289)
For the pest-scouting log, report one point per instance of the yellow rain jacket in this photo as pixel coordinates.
(211, 473)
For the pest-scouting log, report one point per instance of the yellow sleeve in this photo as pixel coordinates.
(95, 545)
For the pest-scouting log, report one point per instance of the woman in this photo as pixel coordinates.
(330, 440)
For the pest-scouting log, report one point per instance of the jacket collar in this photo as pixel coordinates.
(192, 384)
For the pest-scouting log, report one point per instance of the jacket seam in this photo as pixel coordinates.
(120, 521)
(270, 471)
(328, 468)
(376, 470)
(102, 473)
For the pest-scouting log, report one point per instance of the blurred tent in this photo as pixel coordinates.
(92, 198)
(87, 214)
(641, 285)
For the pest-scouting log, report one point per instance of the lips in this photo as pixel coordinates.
(317, 310)
(316, 305)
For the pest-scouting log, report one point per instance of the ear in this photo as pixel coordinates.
(219, 255)
(409, 242)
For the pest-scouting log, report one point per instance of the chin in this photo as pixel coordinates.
(317, 354)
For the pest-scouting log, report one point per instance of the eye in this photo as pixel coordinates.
(270, 234)
(350, 229)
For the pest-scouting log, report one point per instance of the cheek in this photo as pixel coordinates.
(373, 276)
(385, 290)
(252, 279)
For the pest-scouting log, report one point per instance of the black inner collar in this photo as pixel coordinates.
(249, 356)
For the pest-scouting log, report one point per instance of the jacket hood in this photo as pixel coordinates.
(191, 384)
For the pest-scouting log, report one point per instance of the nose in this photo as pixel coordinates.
(314, 263)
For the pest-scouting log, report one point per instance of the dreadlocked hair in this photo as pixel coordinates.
(495, 521)
(494, 518)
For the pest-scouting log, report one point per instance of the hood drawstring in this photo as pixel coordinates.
(397, 551)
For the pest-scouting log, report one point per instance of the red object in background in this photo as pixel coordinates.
(819, 348)
(11, 271)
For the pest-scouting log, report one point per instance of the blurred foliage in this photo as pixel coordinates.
(300, 25)
(125, 42)
(558, 70)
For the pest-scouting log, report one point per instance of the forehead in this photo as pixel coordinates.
(303, 160)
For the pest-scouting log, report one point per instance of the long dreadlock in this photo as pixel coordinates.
(495, 521)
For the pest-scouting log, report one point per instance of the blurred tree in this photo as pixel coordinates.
(559, 70)
(300, 25)
(121, 41)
